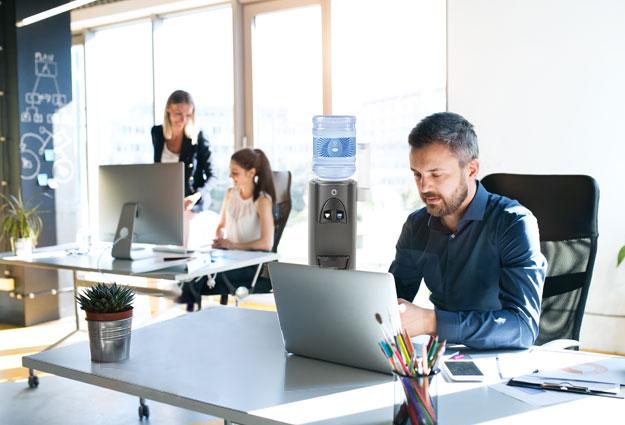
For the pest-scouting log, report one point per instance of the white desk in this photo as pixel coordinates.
(231, 363)
(100, 260)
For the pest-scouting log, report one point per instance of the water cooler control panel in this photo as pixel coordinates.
(332, 224)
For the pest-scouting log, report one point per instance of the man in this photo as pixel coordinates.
(478, 252)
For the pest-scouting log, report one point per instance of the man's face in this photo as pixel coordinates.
(443, 184)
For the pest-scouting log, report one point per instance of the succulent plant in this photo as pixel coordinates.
(104, 298)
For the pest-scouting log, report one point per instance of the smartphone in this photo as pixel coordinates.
(462, 370)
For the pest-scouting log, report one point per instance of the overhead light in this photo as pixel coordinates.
(52, 12)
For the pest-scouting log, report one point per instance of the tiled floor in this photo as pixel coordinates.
(59, 401)
(62, 401)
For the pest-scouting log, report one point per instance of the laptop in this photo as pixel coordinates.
(329, 314)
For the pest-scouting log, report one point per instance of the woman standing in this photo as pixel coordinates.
(177, 140)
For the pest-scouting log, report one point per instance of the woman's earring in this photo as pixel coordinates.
(256, 179)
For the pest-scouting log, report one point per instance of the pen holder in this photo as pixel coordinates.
(416, 399)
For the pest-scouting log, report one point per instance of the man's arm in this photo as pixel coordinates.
(515, 325)
(406, 268)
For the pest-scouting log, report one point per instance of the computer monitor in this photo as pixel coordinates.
(141, 203)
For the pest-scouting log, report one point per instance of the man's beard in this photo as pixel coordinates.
(447, 206)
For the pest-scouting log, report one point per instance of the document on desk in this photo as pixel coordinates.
(565, 364)
(581, 369)
(606, 370)
(535, 396)
(567, 386)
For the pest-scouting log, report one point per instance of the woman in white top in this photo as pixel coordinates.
(246, 223)
(247, 211)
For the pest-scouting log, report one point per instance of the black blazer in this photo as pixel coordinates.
(197, 160)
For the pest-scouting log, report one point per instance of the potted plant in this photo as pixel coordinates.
(109, 316)
(621, 256)
(20, 225)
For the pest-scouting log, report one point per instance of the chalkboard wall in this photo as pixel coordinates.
(46, 124)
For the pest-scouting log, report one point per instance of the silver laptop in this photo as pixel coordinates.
(330, 314)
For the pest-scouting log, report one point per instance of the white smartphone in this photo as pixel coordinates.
(462, 370)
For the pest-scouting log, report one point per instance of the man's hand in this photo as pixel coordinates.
(416, 320)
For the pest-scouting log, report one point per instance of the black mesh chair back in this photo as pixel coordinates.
(281, 211)
(566, 208)
(282, 204)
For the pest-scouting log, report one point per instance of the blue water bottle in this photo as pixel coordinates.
(334, 146)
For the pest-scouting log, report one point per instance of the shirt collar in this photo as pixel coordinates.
(477, 207)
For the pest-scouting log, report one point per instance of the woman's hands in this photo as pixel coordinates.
(221, 242)
(191, 200)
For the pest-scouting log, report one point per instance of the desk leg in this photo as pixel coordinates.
(33, 380)
(75, 283)
(76, 317)
(258, 269)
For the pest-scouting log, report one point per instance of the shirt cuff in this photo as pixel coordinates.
(447, 325)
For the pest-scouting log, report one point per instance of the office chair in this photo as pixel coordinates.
(566, 208)
(281, 211)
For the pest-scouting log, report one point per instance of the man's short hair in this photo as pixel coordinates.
(449, 129)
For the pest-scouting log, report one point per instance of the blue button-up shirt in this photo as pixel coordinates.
(486, 279)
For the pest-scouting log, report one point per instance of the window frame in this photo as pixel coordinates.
(250, 11)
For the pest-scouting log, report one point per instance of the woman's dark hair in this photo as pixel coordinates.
(255, 158)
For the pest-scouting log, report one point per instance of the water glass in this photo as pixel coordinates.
(83, 240)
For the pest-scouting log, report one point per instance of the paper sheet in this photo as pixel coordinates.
(535, 397)
(577, 365)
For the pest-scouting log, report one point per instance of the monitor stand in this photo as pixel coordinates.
(122, 244)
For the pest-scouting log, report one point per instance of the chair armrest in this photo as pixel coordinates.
(560, 344)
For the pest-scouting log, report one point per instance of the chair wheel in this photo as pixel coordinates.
(33, 381)
(144, 411)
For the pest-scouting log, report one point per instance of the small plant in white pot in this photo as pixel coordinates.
(109, 315)
(20, 225)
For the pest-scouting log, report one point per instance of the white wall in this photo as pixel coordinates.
(543, 81)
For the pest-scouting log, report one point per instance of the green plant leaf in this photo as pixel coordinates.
(104, 298)
(621, 256)
(18, 221)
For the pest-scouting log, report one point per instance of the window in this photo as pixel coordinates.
(299, 59)
(127, 88)
(388, 89)
(388, 92)
(80, 135)
(286, 71)
(193, 52)
(119, 94)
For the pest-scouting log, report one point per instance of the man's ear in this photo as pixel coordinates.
(474, 167)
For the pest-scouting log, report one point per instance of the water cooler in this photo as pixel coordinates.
(332, 194)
